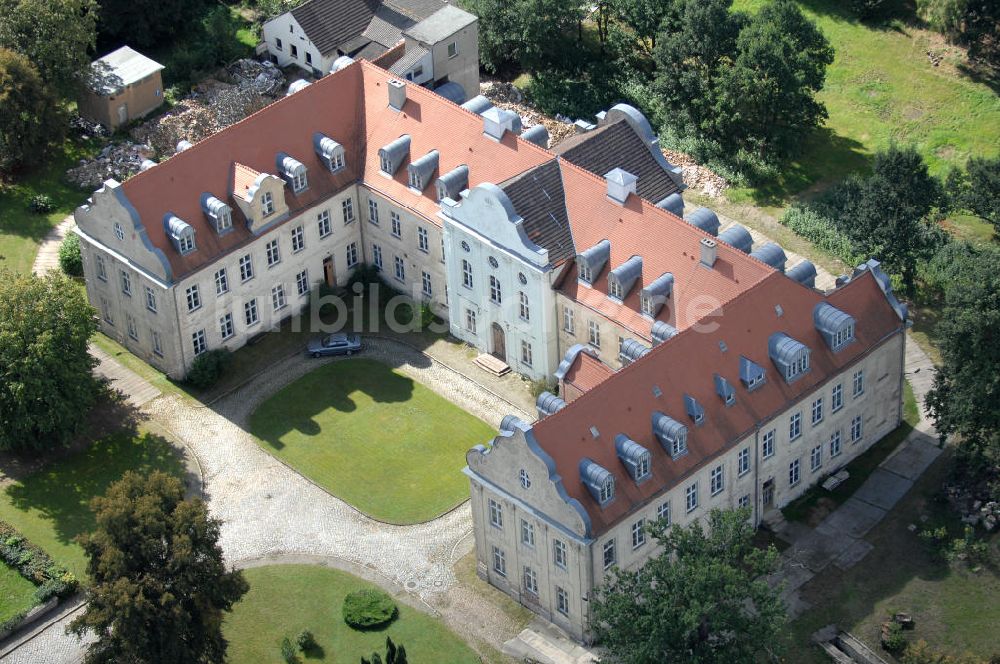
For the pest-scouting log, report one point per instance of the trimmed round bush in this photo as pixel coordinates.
(208, 367)
(368, 608)
(70, 259)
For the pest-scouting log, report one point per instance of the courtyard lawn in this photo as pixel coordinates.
(373, 437)
(285, 599)
(17, 594)
(50, 506)
(880, 88)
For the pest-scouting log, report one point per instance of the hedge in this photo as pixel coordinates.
(820, 231)
(35, 565)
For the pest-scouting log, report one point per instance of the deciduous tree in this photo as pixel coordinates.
(160, 585)
(701, 600)
(46, 384)
(147, 24)
(978, 189)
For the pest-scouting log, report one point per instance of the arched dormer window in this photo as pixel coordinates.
(180, 233)
(330, 152)
(635, 457)
(622, 278)
(836, 327)
(218, 213)
(598, 480)
(671, 434)
(791, 357)
(292, 171)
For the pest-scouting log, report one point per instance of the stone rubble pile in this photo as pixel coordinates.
(697, 176)
(261, 77)
(975, 512)
(86, 128)
(189, 120)
(118, 161)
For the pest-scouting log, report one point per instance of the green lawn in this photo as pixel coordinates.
(882, 87)
(21, 230)
(373, 437)
(285, 599)
(17, 594)
(50, 506)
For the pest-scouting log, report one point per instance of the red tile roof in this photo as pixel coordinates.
(686, 364)
(243, 179)
(587, 372)
(666, 243)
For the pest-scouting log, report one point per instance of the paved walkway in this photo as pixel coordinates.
(48, 253)
(137, 390)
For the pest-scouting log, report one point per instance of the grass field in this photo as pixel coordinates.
(17, 594)
(285, 599)
(373, 437)
(882, 87)
(50, 506)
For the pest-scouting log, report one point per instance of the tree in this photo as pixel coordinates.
(701, 600)
(393, 654)
(32, 120)
(974, 23)
(46, 384)
(769, 92)
(147, 24)
(535, 34)
(645, 17)
(159, 583)
(979, 189)
(55, 35)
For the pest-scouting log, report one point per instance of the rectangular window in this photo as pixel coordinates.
(496, 297)
(221, 281)
(250, 314)
(272, 252)
(744, 501)
(568, 325)
(817, 411)
(452, 49)
(470, 320)
(278, 297)
(299, 181)
(859, 382)
(837, 398)
(106, 311)
(638, 534)
(277, 44)
(646, 304)
(133, 331)
(302, 282)
(530, 581)
(126, 283)
(396, 228)
(400, 268)
(594, 336)
(309, 57)
(663, 513)
(793, 473)
(157, 344)
(246, 268)
(856, 429)
(373, 211)
(295, 51)
(267, 201)
(422, 242)
(499, 561)
(466, 273)
(198, 342)
(352, 254)
(348, 208)
(527, 533)
(193, 297)
(610, 554)
(816, 458)
(559, 555)
(835, 443)
(526, 353)
(562, 601)
(298, 239)
(425, 279)
(377, 257)
(525, 309)
(718, 480)
(496, 513)
(614, 289)
(102, 273)
(150, 299)
(691, 497)
(743, 461)
(226, 326)
(795, 426)
(767, 445)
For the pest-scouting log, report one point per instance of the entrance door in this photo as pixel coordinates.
(328, 274)
(767, 493)
(123, 114)
(499, 342)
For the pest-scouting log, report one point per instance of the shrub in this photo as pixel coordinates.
(70, 259)
(893, 639)
(368, 608)
(305, 640)
(208, 367)
(35, 565)
(542, 385)
(288, 651)
(41, 204)
(821, 231)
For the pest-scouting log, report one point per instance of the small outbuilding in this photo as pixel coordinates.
(120, 87)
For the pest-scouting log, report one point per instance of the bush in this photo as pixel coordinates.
(41, 204)
(542, 385)
(36, 566)
(208, 367)
(305, 640)
(70, 259)
(288, 651)
(821, 231)
(368, 608)
(893, 639)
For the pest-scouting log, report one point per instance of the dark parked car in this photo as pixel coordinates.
(335, 344)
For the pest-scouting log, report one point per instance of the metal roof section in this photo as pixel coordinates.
(453, 183)
(772, 254)
(177, 230)
(738, 237)
(835, 326)
(671, 434)
(625, 275)
(289, 166)
(218, 213)
(621, 183)
(330, 152)
(511, 422)
(570, 357)
(704, 219)
(421, 170)
(110, 74)
(451, 91)
(752, 375)
(661, 330)
(548, 403)
(694, 409)
(674, 204)
(791, 357)
(498, 120)
(394, 154)
(538, 135)
(341, 62)
(658, 292)
(300, 84)
(596, 258)
(632, 350)
(804, 273)
(724, 389)
(634, 457)
(440, 25)
(598, 480)
(875, 267)
(478, 104)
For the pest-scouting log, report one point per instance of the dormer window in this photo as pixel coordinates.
(791, 357)
(293, 171)
(646, 304)
(415, 182)
(585, 273)
(725, 390)
(694, 409)
(392, 156)
(598, 481)
(655, 295)
(420, 171)
(671, 434)
(592, 261)
(835, 326)
(330, 152)
(607, 490)
(622, 278)
(180, 232)
(218, 213)
(267, 204)
(752, 375)
(614, 289)
(185, 244)
(635, 457)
